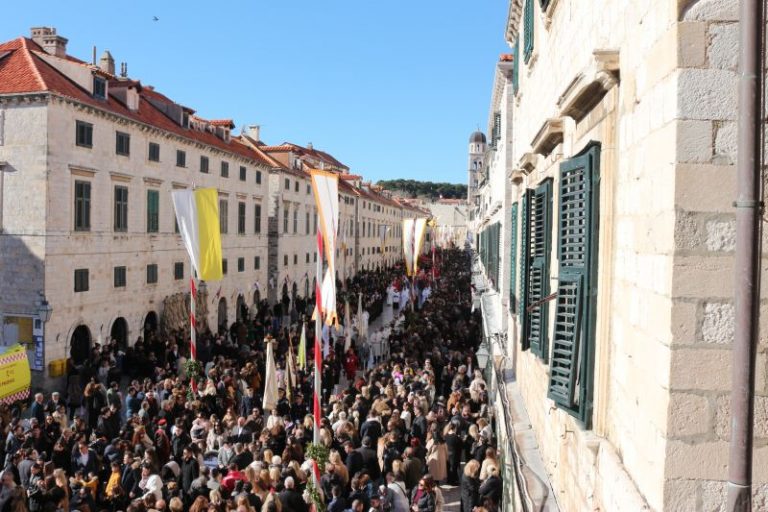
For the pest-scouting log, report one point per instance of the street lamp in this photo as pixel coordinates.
(44, 310)
(482, 355)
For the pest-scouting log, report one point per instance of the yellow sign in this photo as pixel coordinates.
(14, 374)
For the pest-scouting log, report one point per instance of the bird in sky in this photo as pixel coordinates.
(155, 18)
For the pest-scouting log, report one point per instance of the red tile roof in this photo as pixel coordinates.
(23, 71)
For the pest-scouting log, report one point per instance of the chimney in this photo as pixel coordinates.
(252, 131)
(309, 146)
(123, 70)
(50, 42)
(107, 63)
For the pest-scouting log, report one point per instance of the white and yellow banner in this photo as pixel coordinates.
(197, 213)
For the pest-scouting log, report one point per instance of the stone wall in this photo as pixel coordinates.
(101, 249)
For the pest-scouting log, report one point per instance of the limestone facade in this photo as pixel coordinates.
(654, 84)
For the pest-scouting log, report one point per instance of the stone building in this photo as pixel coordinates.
(89, 160)
(606, 235)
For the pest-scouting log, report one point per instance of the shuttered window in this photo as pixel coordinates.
(512, 258)
(496, 130)
(573, 344)
(525, 236)
(540, 230)
(153, 211)
(528, 29)
(516, 66)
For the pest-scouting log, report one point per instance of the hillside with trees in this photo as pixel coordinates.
(425, 189)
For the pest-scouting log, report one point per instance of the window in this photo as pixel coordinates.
(153, 211)
(528, 30)
(306, 259)
(204, 164)
(224, 169)
(496, 130)
(223, 216)
(287, 184)
(256, 263)
(516, 66)
(295, 259)
(81, 280)
(573, 344)
(154, 152)
(243, 173)
(295, 220)
(99, 87)
(83, 134)
(309, 189)
(285, 219)
(122, 143)
(512, 258)
(314, 258)
(285, 260)
(296, 187)
(241, 264)
(240, 218)
(224, 266)
(306, 224)
(315, 223)
(152, 273)
(257, 219)
(181, 158)
(121, 209)
(539, 243)
(82, 206)
(119, 277)
(258, 177)
(178, 270)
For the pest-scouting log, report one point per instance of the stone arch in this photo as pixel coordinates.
(80, 344)
(119, 332)
(150, 324)
(241, 310)
(222, 312)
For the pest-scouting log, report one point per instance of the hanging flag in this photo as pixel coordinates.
(303, 347)
(383, 235)
(413, 238)
(197, 214)
(326, 190)
(290, 364)
(270, 387)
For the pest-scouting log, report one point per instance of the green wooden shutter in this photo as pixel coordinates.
(528, 29)
(570, 382)
(525, 235)
(538, 275)
(512, 258)
(516, 66)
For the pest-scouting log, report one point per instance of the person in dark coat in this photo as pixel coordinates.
(190, 470)
(85, 459)
(470, 486)
(354, 460)
(455, 446)
(492, 487)
(291, 499)
(370, 459)
(413, 469)
(338, 503)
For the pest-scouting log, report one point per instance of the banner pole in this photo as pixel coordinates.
(192, 323)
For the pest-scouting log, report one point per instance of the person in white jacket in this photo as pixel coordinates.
(150, 484)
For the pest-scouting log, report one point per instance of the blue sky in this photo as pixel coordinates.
(392, 89)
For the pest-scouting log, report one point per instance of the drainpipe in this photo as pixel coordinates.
(747, 283)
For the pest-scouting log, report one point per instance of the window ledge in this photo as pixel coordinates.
(590, 86)
(549, 136)
(548, 13)
(528, 162)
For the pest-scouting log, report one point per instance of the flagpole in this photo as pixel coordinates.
(192, 324)
(318, 335)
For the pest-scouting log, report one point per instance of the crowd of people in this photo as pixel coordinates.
(129, 434)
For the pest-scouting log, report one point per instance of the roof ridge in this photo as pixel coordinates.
(33, 64)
